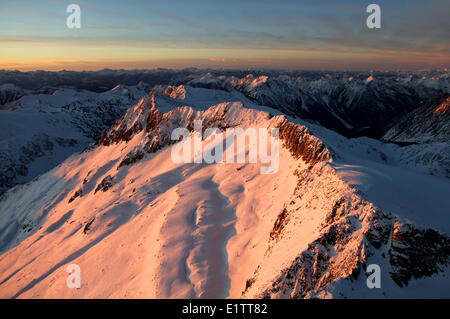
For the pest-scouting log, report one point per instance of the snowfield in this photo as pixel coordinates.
(140, 225)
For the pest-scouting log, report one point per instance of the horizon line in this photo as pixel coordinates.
(234, 69)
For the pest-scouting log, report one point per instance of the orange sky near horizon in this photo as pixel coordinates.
(77, 58)
(285, 34)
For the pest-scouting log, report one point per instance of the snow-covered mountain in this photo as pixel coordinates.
(140, 224)
(346, 104)
(40, 130)
(427, 123)
(426, 133)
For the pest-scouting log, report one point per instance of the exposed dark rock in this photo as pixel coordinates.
(416, 253)
(104, 185)
(380, 228)
(132, 157)
(303, 144)
(87, 227)
(78, 193)
(279, 224)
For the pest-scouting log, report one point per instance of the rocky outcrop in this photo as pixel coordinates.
(415, 253)
(302, 144)
(174, 92)
(88, 225)
(78, 193)
(132, 157)
(104, 185)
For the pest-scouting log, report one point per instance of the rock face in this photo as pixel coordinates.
(415, 253)
(302, 144)
(104, 185)
(174, 92)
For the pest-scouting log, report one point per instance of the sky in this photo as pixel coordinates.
(241, 34)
